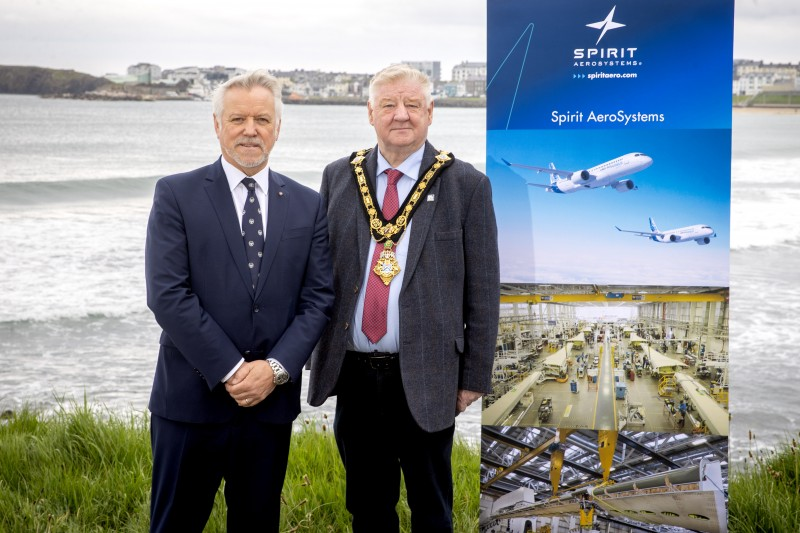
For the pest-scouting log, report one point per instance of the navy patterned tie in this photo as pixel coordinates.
(252, 230)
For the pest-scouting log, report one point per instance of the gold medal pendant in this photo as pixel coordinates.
(387, 266)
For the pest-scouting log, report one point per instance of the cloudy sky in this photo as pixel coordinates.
(99, 37)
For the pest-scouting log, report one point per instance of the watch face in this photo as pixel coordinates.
(280, 375)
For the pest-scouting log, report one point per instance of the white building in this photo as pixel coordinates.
(469, 70)
(753, 77)
(190, 74)
(145, 72)
(473, 77)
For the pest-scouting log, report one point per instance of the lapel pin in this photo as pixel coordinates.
(280, 193)
(430, 197)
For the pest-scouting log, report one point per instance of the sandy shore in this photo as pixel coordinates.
(767, 109)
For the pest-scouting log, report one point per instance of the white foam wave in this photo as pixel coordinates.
(764, 199)
(73, 261)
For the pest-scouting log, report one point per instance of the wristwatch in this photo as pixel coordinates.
(280, 374)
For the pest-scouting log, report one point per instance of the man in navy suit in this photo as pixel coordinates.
(239, 278)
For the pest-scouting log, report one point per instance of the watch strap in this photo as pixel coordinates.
(280, 375)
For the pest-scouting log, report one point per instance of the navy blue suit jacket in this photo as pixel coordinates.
(199, 289)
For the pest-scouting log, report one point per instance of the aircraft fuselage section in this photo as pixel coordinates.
(699, 232)
(608, 174)
(603, 175)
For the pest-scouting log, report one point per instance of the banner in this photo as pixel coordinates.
(609, 122)
(609, 153)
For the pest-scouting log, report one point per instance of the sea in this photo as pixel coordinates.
(76, 184)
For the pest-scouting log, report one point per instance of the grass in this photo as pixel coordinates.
(777, 98)
(81, 470)
(764, 494)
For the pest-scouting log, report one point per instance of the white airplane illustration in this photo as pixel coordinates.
(699, 233)
(608, 174)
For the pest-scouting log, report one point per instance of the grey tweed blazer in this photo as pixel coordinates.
(449, 300)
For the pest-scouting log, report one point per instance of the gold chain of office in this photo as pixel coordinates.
(392, 229)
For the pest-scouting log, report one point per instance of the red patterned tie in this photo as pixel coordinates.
(376, 301)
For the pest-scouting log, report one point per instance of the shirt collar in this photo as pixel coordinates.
(409, 167)
(235, 176)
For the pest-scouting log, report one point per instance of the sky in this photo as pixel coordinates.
(573, 235)
(358, 36)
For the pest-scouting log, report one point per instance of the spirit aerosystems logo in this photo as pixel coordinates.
(597, 56)
(605, 25)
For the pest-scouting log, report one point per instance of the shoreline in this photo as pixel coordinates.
(466, 102)
(775, 110)
(474, 103)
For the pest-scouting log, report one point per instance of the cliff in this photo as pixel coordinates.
(45, 81)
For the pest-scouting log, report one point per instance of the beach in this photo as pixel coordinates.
(73, 319)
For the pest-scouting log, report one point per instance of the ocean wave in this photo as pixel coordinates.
(783, 185)
(73, 315)
(791, 242)
(70, 191)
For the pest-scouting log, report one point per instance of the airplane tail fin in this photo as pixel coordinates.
(653, 227)
(553, 177)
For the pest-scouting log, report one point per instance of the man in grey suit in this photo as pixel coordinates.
(411, 340)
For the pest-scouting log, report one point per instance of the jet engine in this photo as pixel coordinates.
(704, 240)
(581, 176)
(624, 186)
(674, 238)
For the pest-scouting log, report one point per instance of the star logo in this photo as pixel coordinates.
(606, 24)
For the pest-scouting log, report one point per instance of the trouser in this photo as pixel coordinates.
(378, 438)
(190, 460)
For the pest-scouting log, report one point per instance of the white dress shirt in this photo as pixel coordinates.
(239, 191)
(391, 341)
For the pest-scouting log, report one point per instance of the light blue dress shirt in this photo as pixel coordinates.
(391, 341)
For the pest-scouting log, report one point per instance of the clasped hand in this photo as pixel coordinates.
(251, 383)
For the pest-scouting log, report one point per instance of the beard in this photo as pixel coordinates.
(248, 163)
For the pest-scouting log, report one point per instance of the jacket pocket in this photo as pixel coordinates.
(448, 235)
(293, 233)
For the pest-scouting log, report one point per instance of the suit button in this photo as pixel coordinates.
(255, 309)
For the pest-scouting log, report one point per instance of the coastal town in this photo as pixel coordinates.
(467, 82)
(754, 83)
(757, 83)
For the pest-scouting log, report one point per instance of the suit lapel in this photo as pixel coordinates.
(278, 207)
(423, 216)
(220, 195)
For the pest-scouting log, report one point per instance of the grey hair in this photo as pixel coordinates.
(400, 72)
(255, 78)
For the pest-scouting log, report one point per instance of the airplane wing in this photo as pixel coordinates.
(561, 173)
(542, 185)
(641, 233)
